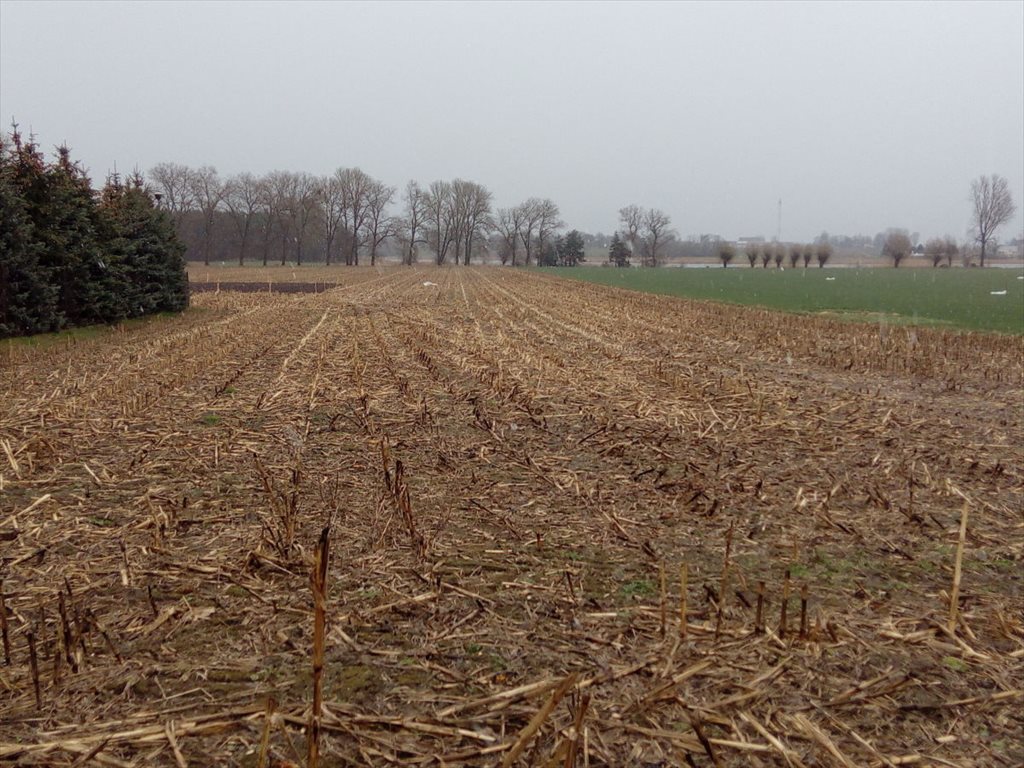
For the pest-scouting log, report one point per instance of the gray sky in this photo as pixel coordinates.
(860, 116)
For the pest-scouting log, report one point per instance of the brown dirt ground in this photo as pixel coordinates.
(268, 287)
(563, 445)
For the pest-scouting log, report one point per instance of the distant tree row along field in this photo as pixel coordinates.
(73, 255)
(350, 218)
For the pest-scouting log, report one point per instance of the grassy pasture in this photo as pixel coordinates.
(960, 298)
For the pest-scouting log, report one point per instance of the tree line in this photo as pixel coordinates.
(646, 235)
(350, 217)
(896, 246)
(778, 253)
(70, 255)
(347, 218)
(992, 207)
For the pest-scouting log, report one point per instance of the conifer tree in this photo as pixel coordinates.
(28, 295)
(68, 258)
(618, 253)
(21, 289)
(570, 249)
(144, 252)
(67, 226)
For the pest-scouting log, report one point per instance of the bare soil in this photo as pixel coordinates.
(268, 287)
(515, 472)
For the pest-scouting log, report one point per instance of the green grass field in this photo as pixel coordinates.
(960, 298)
(87, 332)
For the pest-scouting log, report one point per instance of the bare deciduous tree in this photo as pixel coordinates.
(897, 246)
(267, 219)
(778, 255)
(935, 250)
(751, 251)
(303, 208)
(507, 226)
(529, 218)
(808, 253)
(631, 219)
(824, 252)
(379, 226)
(356, 187)
(726, 252)
(440, 209)
(548, 222)
(332, 200)
(657, 232)
(173, 182)
(795, 253)
(280, 191)
(242, 198)
(993, 207)
(472, 206)
(208, 193)
(412, 223)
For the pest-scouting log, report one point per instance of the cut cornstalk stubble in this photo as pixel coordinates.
(318, 582)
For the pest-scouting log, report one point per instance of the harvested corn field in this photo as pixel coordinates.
(566, 525)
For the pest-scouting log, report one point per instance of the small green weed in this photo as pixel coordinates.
(954, 663)
(638, 588)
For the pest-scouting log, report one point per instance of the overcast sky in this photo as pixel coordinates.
(859, 116)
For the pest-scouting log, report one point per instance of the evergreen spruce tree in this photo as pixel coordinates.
(67, 258)
(618, 253)
(68, 228)
(28, 296)
(20, 288)
(571, 249)
(142, 249)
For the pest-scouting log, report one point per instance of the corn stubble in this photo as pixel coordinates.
(562, 525)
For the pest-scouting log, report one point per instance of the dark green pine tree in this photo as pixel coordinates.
(59, 202)
(142, 249)
(69, 228)
(571, 249)
(29, 300)
(618, 253)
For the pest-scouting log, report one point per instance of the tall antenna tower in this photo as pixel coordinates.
(778, 232)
